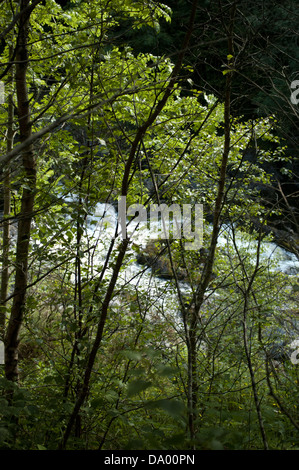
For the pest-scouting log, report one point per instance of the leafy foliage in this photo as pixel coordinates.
(100, 326)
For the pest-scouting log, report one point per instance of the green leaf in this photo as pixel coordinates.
(131, 354)
(166, 371)
(97, 403)
(33, 410)
(172, 407)
(137, 386)
(40, 447)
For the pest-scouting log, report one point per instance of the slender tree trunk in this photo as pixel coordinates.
(257, 401)
(208, 267)
(27, 203)
(6, 223)
(125, 243)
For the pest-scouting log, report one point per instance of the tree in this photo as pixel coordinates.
(27, 202)
(104, 352)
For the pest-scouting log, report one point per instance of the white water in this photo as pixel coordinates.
(103, 225)
(271, 254)
(161, 293)
(100, 230)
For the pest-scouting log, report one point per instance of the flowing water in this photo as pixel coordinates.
(102, 226)
(103, 222)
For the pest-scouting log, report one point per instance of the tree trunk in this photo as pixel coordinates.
(6, 223)
(27, 203)
(208, 267)
(124, 245)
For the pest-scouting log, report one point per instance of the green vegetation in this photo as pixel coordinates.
(183, 349)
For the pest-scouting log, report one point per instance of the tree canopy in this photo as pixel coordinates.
(146, 341)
